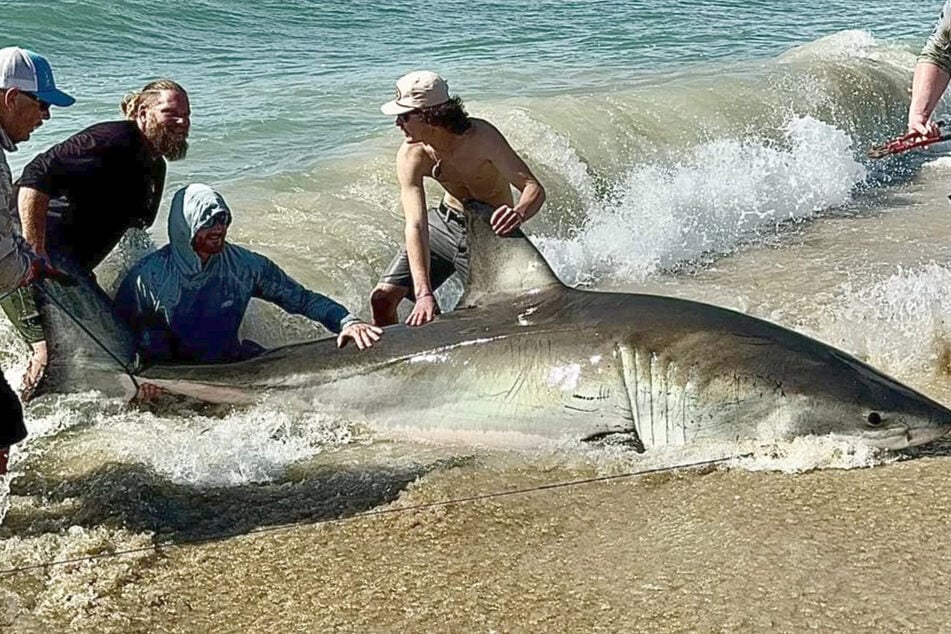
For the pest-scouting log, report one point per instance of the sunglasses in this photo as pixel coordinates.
(403, 117)
(43, 105)
(217, 219)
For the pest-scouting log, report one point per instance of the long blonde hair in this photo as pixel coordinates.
(131, 101)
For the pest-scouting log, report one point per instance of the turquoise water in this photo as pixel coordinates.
(664, 132)
(277, 86)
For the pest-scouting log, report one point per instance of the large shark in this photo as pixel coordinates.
(524, 357)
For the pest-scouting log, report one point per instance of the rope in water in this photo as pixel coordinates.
(376, 513)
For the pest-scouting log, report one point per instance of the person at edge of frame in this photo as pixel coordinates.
(77, 199)
(932, 72)
(27, 91)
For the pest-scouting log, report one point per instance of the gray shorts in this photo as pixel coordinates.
(448, 251)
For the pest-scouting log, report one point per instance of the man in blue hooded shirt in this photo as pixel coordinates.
(186, 301)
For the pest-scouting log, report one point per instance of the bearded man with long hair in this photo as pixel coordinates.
(77, 199)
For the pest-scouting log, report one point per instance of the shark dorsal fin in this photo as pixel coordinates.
(500, 266)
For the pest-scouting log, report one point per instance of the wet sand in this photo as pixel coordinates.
(711, 550)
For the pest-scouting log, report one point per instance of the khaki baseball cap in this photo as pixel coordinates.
(419, 89)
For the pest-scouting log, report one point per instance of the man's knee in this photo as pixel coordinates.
(385, 295)
(384, 300)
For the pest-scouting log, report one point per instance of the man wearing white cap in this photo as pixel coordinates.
(27, 91)
(474, 164)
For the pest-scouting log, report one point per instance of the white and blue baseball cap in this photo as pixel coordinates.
(30, 72)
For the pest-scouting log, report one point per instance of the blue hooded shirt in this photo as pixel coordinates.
(180, 310)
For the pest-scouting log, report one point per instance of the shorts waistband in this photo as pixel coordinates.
(447, 213)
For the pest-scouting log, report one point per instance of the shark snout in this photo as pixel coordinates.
(938, 428)
(918, 431)
(914, 422)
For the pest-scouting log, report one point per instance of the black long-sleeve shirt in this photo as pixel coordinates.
(101, 182)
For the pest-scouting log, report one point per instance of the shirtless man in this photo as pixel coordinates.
(473, 163)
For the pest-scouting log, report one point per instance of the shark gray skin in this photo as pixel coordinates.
(526, 358)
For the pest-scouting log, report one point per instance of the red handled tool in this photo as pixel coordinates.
(910, 141)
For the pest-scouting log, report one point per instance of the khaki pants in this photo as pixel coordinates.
(20, 307)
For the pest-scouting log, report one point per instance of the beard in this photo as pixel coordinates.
(171, 143)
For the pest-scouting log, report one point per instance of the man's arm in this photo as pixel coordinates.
(931, 75)
(15, 256)
(152, 343)
(409, 171)
(515, 171)
(927, 87)
(33, 206)
(276, 286)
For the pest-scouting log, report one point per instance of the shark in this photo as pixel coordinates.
(526, 359)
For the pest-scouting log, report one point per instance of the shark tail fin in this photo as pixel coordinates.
(509, 265)
(88, 344)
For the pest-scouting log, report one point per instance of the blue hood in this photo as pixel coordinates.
(180, 310)
(192, 207)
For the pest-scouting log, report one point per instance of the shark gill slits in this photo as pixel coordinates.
(874, 419)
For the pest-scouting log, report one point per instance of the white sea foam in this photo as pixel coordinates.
(612, 457)
(243, 447)
(721, 193)
(901, 323)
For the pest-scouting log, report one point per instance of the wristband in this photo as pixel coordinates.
(426, 294)
(349, 320)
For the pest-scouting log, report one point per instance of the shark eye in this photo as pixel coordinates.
(874, 419)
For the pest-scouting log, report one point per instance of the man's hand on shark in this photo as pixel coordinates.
(363, 335)
(505, 220)
(40, 268)
(147, 392)
(424, 311)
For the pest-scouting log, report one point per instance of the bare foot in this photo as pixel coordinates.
(34, 371)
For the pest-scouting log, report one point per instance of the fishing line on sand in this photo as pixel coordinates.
(378, 513)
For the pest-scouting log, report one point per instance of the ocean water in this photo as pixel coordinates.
(708, 150)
